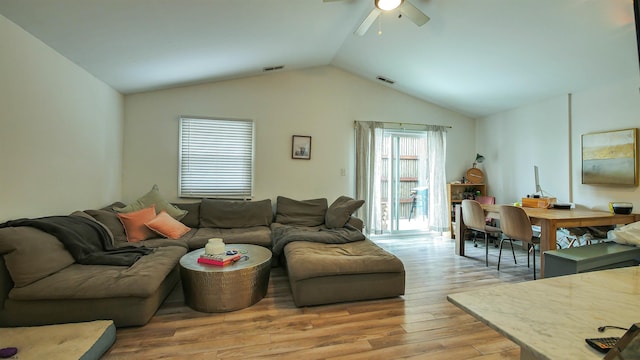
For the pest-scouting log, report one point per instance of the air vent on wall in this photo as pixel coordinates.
(273, 68)
(387, 80)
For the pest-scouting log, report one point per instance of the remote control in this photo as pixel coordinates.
(602, 344)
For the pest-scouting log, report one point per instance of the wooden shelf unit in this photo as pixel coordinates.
(458, 192)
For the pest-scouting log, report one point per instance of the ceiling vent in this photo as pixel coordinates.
(273, 68)
(387, 80)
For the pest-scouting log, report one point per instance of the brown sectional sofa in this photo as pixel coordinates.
(40, 283)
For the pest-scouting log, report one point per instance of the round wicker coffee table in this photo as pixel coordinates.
(210, 288)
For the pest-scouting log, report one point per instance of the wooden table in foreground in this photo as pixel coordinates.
(549, 220)
(550, 318)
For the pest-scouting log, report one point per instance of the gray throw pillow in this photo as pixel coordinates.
(87, 216)
(110, 220)
(340, 211)
(154, 198)
(301, 212)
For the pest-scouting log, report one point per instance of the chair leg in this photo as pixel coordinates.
(500, 253)
(486, 249)
(475, 234)
(528, 252)
(513, 252)
(534, 261)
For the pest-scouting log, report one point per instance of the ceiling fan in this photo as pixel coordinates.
(406, 9)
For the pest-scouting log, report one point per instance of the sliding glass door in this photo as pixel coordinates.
(404, 182)
(401, 176)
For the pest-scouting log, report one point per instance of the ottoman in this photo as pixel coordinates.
(330, 273)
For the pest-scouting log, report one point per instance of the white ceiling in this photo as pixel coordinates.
(477, 57)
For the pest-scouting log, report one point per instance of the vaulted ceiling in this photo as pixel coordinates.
(476, 57)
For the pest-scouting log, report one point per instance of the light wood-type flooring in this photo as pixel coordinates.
(422, 324)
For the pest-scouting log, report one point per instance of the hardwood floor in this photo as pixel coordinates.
(422, 324)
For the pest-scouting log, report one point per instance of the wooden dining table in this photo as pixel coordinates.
(549, 220)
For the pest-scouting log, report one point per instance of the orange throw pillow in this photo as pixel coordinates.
(133, 223)
(167, 226)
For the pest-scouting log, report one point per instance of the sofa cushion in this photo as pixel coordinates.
(192, 219)
(31, 254)
(167, 226)
(134, 224)
(154, 198)
(307, 260)
(110, 220)
(229, 214)
(257, 235)
(161, 241)
(340, 211)
(77, 281)
(301, 212)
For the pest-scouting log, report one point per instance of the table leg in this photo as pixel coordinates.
(459, 231)
(526, 354)
(548, 240)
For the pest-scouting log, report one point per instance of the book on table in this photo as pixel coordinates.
(218, 260)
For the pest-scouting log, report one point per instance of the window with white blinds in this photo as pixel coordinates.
(216, 158)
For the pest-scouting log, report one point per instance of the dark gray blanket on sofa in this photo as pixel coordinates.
(87, 241)
(282, 235)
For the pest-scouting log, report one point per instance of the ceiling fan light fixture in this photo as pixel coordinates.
(388, 5)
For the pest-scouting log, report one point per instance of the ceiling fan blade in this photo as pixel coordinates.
(362, 29)
(413, 13)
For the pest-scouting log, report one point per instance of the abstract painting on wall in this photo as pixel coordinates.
(610, 158)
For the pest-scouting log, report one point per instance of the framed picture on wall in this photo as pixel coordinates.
(610, 157)
(301, 147)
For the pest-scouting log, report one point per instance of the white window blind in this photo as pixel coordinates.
(216, 158)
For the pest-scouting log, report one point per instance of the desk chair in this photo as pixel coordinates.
(516, 225)
(487, 200)
(474, 219)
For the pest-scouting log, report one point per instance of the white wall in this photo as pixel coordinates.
(544, 134)
(514, 141)
(321, 102)
(612, 107)
(60, 131)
